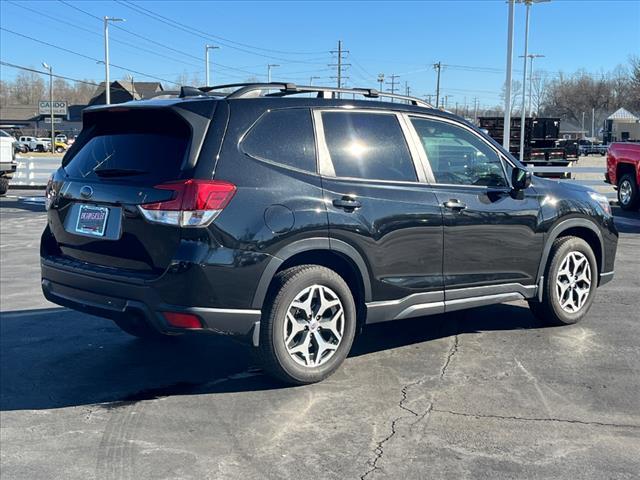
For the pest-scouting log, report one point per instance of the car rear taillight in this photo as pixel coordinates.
(48, 193)
(195, 203)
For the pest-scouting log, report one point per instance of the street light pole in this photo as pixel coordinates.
(507, 98)
(206, 62)
(107, 82)
(523, 113)
(269, 67)
(53, 132)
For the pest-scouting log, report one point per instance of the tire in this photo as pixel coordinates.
(281, 318)
(137, 327)
(39, 148)
(551, 311)
(59, 150)
(628, 196)
(4, 186)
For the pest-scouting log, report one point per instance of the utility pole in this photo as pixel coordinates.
(206, 63)
(446, 98)
(456, 110)
(380, 81)
(392, 84)
(506, 138)
(340, 65)
(107, 82)
(475, 112)
(407, 89)
(531, 56)
(593, 123)
(438, 68)
(582, 132)
(523, 113)
(312, 78)
(53, 130)
(429, 99)
(269, 67)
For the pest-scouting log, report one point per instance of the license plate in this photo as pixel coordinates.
(92, 220)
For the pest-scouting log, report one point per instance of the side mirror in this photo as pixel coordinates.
(520, 178)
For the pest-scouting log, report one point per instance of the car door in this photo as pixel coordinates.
(378, 202)
(492, 236)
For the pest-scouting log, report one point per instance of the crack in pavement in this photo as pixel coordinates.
(452, 352)
(379, 450)
(536, 419)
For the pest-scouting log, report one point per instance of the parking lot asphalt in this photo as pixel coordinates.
(484, 393)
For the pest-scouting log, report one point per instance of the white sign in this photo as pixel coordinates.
(59, 108)
(55, 120)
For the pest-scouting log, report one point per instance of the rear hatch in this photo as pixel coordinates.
(121, 155)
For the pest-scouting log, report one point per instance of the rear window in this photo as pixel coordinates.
(284, 137)
(134, 146)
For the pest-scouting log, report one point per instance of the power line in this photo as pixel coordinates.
(154, 42)
(93, 32)
(84, 56)
(28, 69)
(202, 34)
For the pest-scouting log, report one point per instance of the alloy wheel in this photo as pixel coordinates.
(314, 326)
(573, 282)
(625, 192)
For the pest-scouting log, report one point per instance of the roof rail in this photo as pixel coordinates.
(282, 89)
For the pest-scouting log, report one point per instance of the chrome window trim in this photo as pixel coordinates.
(425, 157)
(325, 163)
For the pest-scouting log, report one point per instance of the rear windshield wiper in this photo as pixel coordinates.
(119, 172)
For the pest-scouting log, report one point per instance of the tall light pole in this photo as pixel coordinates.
(53, 132)
(206, 62)
(269, 67)
(523, 114)
(507, 97)
(107, 82)
(531, 56)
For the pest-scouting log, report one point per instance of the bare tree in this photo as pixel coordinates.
(516, 96)
(539, 91)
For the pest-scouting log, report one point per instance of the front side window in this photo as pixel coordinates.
(284, 137)
(457, 156)
(368, 146)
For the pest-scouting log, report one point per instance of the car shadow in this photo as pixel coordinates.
(58, 358)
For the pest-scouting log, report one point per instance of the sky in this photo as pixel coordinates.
(166, 40)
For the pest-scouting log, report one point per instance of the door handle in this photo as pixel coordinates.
(347, 202)
(455, 204)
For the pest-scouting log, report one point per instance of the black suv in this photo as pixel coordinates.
(290, 217)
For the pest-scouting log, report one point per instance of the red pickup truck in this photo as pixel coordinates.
(623, 171)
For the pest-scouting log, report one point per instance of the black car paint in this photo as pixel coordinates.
(401, 241)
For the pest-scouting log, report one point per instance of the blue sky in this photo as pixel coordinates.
(402, 38)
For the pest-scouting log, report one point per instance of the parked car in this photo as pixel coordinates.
(20, 147)
(623, 171)
(36, 144)
(62, 138)
(7, 160)
(292, 222)
(61, 147)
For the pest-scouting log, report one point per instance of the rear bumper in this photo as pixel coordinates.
(118, 299)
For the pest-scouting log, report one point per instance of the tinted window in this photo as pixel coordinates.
(367, 145)
(136, 146)
(284, 137)
(457, 156)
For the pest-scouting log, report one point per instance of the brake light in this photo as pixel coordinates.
(195, 203)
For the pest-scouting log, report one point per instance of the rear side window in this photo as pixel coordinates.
(284, 137)
(135, 146)
(368, 145)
